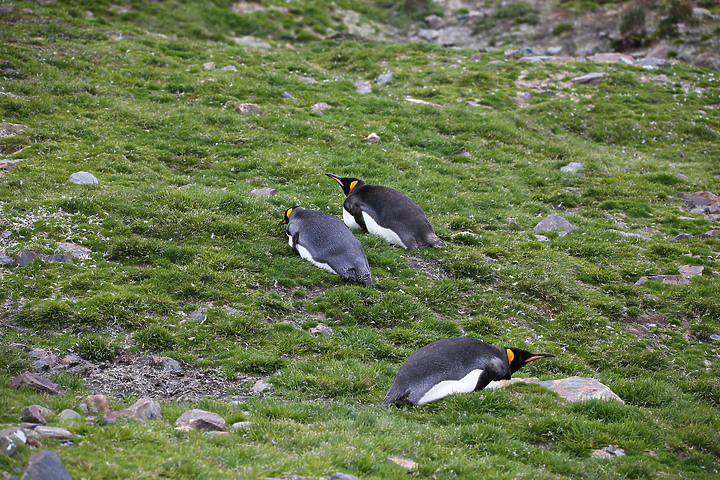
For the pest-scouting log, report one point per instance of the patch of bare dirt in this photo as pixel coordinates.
(131, 375)
(430, 267)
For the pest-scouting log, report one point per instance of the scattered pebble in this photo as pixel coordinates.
(83, 178)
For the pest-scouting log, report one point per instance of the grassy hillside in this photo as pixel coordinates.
(172, 228)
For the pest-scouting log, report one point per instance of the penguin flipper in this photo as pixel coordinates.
(352, 205)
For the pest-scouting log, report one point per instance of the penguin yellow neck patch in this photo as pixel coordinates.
(353, 185)
(510, 355)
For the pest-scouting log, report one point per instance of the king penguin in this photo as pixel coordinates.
(386, 212)
(328, 244)
(454, 365)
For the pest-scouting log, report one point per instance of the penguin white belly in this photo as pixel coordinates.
(350, 220)
(306, 255)
(466, 384)
(386, 233)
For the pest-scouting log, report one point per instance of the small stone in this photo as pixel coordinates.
(209, 65)
(612, 451)
(682, 236)
(715, 337)
(5, 260)
(651, 62)
(554, 222)
(44, 359)
(77, 251)
(612, 58)
(229, 68)
(319, 107)
(83, 178)
(248, 108)
(434, 21)
(373, 138)
(572, 167)
(363, 86)
(308, 80)
(69, 414)
(323, 330)
(689, 271)
(406, 463)
(36, 382)
(71, 360)
(668, 279)
(384, 78)
(7, 446)
(260, 386)
(476, 57)
(97, 404)
(289, 96)
(144, 410)
(35, 414)
(200, 420)
(342, 476)
(264, 192)
(241, 424)
(45, 465)
(589, 79)
(6, 8)
(542, 238)
(56, 433)
(166, 363)
(26, 257)
(554, 50)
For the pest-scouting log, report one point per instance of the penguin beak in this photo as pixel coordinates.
(538, 355)
(284, 221)
(336, 178)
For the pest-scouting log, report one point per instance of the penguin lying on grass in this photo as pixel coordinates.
(328, 244)
(454, 365)
(386, 212)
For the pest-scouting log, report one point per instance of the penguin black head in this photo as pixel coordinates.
(347, 184)
(518, 358)
(288, 212)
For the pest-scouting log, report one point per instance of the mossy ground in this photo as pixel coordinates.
(117, 95)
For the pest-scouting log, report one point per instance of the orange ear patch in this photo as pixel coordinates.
(510, 355)
(352, 185)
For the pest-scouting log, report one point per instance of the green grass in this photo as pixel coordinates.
(172, 227)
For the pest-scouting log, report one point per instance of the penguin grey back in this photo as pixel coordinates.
(454, 365)
(386, 212)
(327, 243)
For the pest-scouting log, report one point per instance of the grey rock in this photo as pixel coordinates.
(612, 58)
(260, 386)
(241, 424)
(229, 68)
(573, 167)
(574, 389)
(10, 129)
(522, 99)
(288, 96)
(682, 236)
(253, 42)
(542, 238)
(5, 260)
(702, 12)
(69, 414)
(342, 476)
(308, 80)
(200, 420)
(77, 251)
(35, 414)
(590, 79)
(55, 433)
(363, 86)
(715, 337)
(319, 107)
(209, 65)
(198, 314)
(612, 451)
(652, 62)
(554, 222)
(26, 257)
(7, 8)
(373, 138)
(323, 330)
(7, 446)
(43, 359)
(434, 21)
(628, 234)
(689, 271)
(36, 382)
(83, 178)
(248, 108)
(669, 279)
(45, 465)
(144, 410)
(384, 78)
(264, 192)
(554, 50)
(166, 363)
